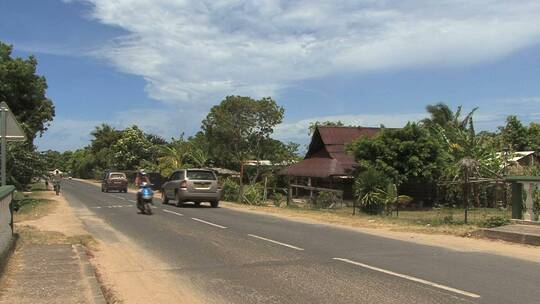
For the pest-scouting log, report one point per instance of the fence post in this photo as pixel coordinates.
(289, 192)
(517, 201)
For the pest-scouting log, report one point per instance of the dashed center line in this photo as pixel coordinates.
(276, 242)
(172, 212)
(112, 206)
(411, 278)
(208, 223)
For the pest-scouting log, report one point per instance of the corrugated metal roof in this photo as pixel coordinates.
(344, 135)
(330, 159)
(315, 167)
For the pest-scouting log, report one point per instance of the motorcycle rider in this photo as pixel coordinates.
(141, 181)
(141, 177)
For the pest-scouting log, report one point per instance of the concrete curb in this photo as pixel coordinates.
(90, 276)
(7, 252)
(514, 237)
(522, 222)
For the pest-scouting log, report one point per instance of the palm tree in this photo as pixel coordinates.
(441, 116)
(197, 156)
(172, 157)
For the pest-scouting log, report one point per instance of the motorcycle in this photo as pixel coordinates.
(145, 197)
(56, 186)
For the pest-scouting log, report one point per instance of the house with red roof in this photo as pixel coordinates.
(327, 163)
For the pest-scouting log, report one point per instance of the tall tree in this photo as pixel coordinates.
(441, 116)
(410, 153)
(237, 128)
(534, 136)
(514, 134)
(131, 149)
(24, 92)
(104, 136)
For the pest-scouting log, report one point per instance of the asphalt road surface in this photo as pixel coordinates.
(240, 257)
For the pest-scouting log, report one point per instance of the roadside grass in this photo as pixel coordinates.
(31, 235)
(38, 187)
(434, 221)
(32, 207)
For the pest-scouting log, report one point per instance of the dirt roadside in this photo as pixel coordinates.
(127, 273)
(456, 243)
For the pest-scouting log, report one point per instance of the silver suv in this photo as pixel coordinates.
(192, 185)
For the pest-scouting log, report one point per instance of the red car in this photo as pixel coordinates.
(114, 181)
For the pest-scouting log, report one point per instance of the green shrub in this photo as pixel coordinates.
(494, 221)
(278, 199)
(229, 190)
(254, 195)
(368, 188)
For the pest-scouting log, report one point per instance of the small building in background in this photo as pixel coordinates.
(327, 163)
(519, 159)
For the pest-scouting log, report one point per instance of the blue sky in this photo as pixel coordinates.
(162, 64)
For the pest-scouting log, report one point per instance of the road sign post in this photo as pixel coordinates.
(10, 130)
(3, 143)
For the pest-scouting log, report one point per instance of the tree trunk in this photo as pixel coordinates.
(241, 183)
(466, 198)
(289, 191)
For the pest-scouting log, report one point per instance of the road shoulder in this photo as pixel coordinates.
(40, 254)
(128, 273)
(461, 244)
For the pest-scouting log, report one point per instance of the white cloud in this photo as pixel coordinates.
(298, 131)
(199, 51)
(68, 134)
(490, 115)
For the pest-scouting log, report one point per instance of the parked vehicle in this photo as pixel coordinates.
(145, 197)
(114, 181)
(192, 185)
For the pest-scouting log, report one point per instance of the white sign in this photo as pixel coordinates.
(13, 131)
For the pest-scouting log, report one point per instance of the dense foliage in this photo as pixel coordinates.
(402, 154)
(443, 150)
(216, 145)
(24, 92)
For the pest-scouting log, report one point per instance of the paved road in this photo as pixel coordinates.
(241, 257)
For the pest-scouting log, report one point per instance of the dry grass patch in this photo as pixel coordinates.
(417, 221)
(31, 235)
(33, 207)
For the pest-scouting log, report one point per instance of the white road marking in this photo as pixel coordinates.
(208, 223)
(275, 242)
(112, 206)
(132, 201)
(172, 212)
(411, 278)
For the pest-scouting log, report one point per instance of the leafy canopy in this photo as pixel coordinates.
(238, 127)
(24, 91)
(401, 154)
